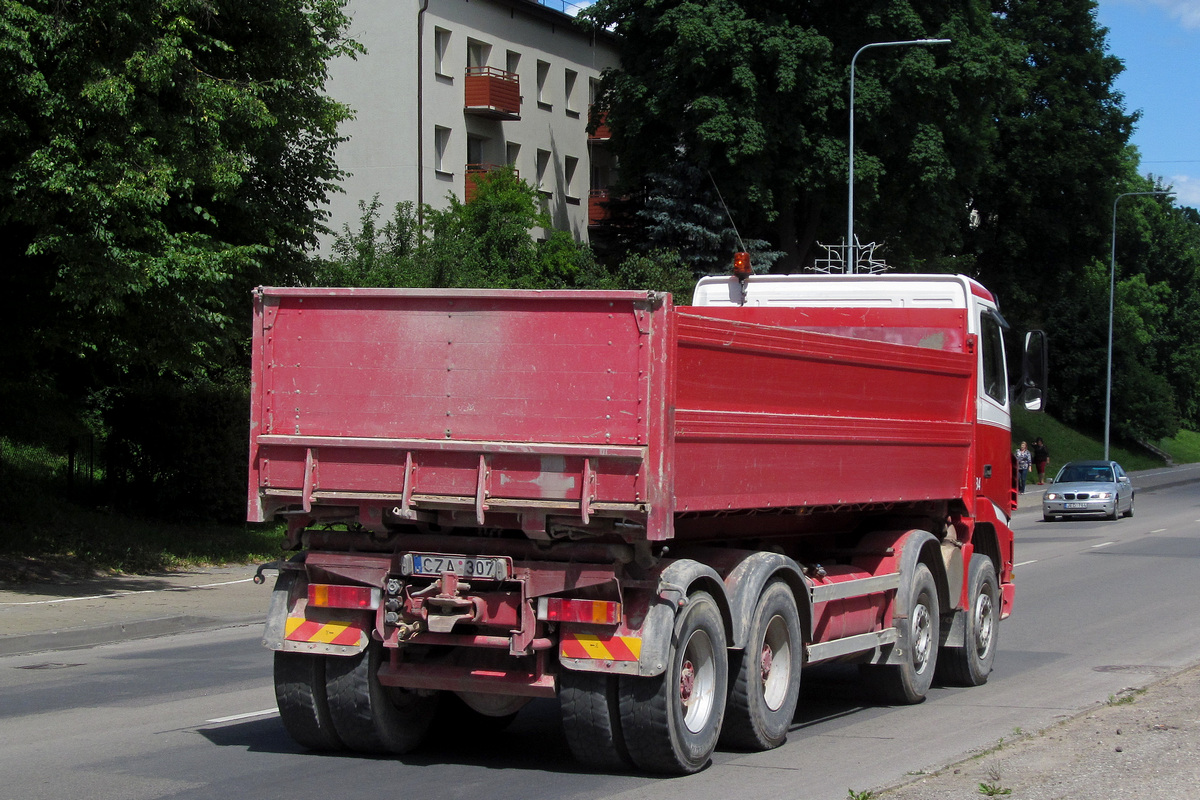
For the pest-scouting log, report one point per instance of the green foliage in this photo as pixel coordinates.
(158, 160)
(657, 270)
(485, 243)
(681, 211)
(47, 533)
(179, 450)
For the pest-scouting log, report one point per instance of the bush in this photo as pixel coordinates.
(179, 450)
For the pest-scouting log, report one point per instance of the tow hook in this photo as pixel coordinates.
(259, 578)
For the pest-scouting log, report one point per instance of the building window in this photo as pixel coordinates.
(569, 93)
(512, 153)
(543, 87)
(543, 171)
(475, 150)
(570, 167)
(441, 46)
(441, 147)
(512, 62)
(477, 53)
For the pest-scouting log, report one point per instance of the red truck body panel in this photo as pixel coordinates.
(618, 403)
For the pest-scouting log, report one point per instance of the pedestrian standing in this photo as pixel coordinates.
(1024, 461)
(1041, 459)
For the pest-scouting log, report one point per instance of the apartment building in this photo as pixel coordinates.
(452, 88)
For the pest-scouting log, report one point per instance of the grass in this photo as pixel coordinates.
(1066, 444)
(47, 535)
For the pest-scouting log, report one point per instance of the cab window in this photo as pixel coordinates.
(992, 343)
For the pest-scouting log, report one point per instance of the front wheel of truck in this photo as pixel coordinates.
(303, 704)
(672, 721)
(907, 682)
(370, 717)
(971, 664)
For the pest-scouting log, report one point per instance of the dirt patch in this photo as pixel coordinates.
(1144, 745)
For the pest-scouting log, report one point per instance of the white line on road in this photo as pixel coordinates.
(1159, 530)
(1023, 563)
(1102, 544)
(269, 712)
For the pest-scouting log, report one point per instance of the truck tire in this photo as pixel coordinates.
(672, 721)
(907, 682)
(368, 716)
(303, 704)
(765, 678)
(591, 718)
(971, 664)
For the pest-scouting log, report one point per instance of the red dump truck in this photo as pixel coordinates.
(659, 515)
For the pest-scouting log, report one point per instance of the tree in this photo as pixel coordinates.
(757, 94)
(1044, 200)
(158, 158)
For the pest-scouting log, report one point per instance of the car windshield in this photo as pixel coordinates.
(1079, 474)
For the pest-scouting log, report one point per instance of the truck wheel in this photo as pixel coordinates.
(368, 716)
(591, 718)
(907, 682)
(765, 677)
(303, 704)
(671, 721)
(971, 664)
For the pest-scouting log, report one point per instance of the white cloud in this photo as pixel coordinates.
(1187, 190)
(1186, 11)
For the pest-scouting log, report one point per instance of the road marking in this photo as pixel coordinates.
(1102, 544)
(127, 594)
(1023, 563)
(269, 712)
(1159, 530)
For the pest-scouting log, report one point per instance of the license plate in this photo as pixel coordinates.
(434, 564)
(1070, 506)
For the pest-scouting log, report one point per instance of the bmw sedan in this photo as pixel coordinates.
(1089, 488)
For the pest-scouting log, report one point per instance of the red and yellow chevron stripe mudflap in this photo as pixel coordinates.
(332, 632)
(574, 644)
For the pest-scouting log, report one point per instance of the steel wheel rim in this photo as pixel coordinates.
(697, 681)
(776, 663)
(985, 622)
(922, 629)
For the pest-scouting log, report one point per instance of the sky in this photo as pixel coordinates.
(1159, 41)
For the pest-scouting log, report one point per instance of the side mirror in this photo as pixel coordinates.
(1031, 391)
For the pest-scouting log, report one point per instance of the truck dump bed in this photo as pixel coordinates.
(506, 408)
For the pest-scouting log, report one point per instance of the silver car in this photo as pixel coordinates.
(1089, 488)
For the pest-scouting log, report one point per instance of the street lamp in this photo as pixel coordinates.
(1112, 292)
(850, 254)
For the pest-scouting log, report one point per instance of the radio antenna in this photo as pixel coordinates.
(732, 224)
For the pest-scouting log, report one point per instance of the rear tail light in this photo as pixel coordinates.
(561, 609)
(327, 595)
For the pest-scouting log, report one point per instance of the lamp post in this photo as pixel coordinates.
(851, 256)
(1112, 293)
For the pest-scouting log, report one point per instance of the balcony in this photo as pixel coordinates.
(598, 118)
(597, 207)
(472, 172)
(492, 93)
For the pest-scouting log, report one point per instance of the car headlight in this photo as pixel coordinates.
(1104, 495)
(1051, 495)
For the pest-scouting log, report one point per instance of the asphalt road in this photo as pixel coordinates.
(1101, 606)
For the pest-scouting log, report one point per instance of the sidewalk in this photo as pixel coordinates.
(60, 616)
